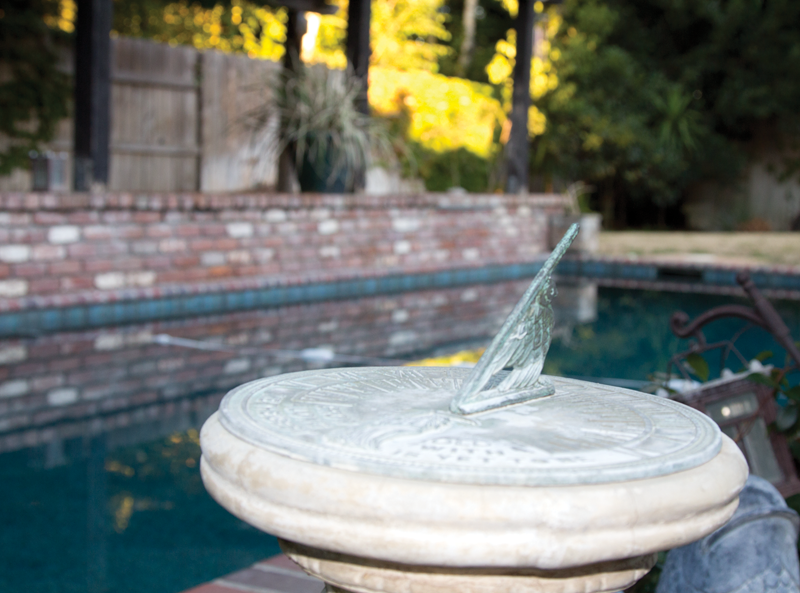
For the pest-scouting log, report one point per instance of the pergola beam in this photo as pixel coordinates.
(358, 51)
(92, 93)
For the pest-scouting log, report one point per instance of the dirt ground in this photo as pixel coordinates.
(735, 248)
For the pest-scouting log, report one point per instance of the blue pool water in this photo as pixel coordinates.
(130, 520)
(631, 339)
(104, 513)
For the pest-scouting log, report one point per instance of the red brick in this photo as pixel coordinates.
(28, 270)
(95, 232)
(147, 217)
(82, 250)
(16, 218)
(158, 230)
(83, 217)
(226, 244)
(64, 267)
(172, 276)
(49, 218)
(47, 382)
(99, 265)
(187, 230)
(201, 244)
(144, 247)
(129, 232)
(158, 262)
(28, 369)
(185, 261)
(220, 271)
(27, 235)
(214, 230)
(172, 245)
(72, 283)
(48, 252)
(117, 216)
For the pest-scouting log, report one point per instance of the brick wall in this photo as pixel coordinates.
(57, 250)
(81, 383)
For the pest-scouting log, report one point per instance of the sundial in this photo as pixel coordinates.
(396, 422)
(401, 479)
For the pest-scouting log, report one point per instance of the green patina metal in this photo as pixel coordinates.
(521, 344)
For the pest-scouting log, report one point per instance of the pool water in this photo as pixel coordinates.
(104, 513)
(129, 520)
(631, 339)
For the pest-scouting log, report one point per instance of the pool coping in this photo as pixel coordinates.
(33, 316)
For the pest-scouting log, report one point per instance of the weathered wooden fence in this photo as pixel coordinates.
(178, 121)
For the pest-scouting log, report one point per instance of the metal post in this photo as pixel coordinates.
(517, 146)
(92, 93)
(295, 29)
(358, 51)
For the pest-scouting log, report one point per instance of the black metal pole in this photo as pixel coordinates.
(358, 51)
(92, 93)
(517, 146)
(295, 29)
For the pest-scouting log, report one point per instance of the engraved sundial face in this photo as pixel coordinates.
(396, 421)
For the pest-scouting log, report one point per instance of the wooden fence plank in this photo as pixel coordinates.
(232, 153)
(169, 133)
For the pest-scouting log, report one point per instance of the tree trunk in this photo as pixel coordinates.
(607, 200)
(468, 20)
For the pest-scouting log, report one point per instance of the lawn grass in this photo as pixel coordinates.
(732, 248)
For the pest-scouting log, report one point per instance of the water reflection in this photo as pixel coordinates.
(573, 306)
(132, 519)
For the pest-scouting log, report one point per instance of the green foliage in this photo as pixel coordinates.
(492, 23)
(656, 95)
(788, 396)
(34, 93)
(235, 26)
(406, 34)
(454, 168)
(698, 365)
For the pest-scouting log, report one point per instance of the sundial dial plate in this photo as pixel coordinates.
(396, 421)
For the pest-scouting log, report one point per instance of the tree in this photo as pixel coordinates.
(465, 52)
(235, 26)
(404, 34)
(34, 92)
(655, 95)
(490, 22)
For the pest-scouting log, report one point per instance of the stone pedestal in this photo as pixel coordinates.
(374, 487)
(351, 574)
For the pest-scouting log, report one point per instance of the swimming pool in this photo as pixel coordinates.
(113, 500)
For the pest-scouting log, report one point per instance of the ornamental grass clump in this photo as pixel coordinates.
(319, 121)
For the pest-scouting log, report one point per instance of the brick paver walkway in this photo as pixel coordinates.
(274, 575)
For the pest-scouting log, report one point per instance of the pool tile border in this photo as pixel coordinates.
(36, 316)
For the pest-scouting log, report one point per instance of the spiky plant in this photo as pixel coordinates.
(320, 121)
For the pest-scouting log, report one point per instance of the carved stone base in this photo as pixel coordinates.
(352, 574)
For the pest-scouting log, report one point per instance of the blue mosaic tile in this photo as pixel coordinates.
(33, 322)
(52, 320)
(728, 278)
